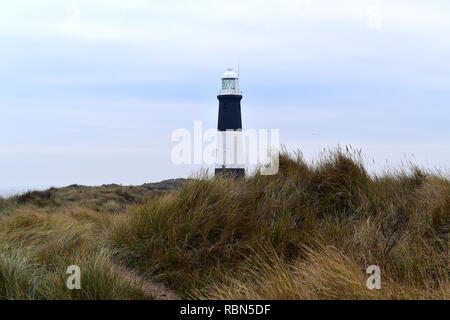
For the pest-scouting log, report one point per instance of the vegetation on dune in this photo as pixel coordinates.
(308, 232)
(37, 247)
(110, 198)
(44, 232)
(215, 230)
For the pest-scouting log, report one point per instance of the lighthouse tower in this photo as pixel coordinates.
(230, 148)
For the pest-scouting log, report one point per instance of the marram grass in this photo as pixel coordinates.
(308, 232)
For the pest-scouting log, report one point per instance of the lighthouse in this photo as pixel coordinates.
(230, 148)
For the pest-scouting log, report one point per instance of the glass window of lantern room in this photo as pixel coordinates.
(228, 84)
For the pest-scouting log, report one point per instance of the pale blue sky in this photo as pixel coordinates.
(96, 102)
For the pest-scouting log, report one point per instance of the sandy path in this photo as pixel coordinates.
(158, 290)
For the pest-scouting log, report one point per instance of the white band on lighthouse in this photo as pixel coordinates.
(230, 150)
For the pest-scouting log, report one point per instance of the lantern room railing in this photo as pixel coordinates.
(230, 92)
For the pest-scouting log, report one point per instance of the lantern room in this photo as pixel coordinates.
(230, 83)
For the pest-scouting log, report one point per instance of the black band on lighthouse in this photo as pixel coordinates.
(229, 112)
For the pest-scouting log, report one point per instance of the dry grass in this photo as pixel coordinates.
(308, 232)
(44, 232)
(37, 248)
(211, 230)
(110, 198)
(323, 273)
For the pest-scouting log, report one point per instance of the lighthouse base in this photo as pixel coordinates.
(230, 172)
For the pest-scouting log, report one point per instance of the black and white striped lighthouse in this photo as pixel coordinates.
(230, 148)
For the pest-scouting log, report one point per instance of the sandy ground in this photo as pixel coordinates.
(158, 290)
